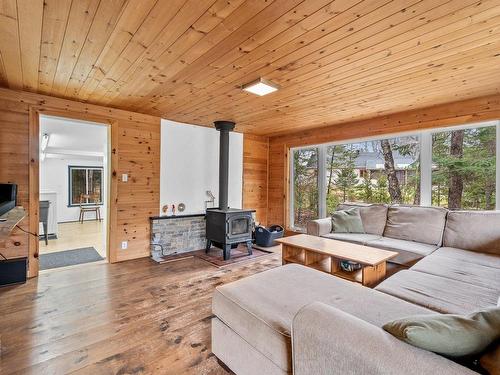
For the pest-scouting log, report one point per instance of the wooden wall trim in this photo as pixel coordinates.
(135, 150)
(255, 175)
(456, 113)
(58, 104)
(34, 190)
(461, 112)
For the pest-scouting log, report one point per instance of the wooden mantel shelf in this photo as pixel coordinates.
(13, 217)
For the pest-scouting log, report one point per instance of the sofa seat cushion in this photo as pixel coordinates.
(473, 230)
(373, 216)
(483, 259)
(357, 238)
(414, 223)
(457, 269)
(260, 308)
(408, 251)
(438, 293)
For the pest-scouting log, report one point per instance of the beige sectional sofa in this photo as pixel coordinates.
(293, 319)
(412, 231)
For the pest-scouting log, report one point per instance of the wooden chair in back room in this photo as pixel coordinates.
(89, 203)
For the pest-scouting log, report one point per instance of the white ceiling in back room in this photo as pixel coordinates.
(62, 138)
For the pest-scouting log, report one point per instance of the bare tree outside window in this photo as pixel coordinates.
(381, 171)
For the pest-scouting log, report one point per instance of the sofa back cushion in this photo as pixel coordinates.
(415, 223)
(373, 216)
(473, 230)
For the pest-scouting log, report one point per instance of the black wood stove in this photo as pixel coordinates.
(227, 227)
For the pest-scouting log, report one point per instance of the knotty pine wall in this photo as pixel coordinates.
(137, 153)
(135, 144)
(462, 112)
(255, 175)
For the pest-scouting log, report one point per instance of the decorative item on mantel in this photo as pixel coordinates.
(211, 200)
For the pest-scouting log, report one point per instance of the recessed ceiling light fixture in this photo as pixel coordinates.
(260, 87)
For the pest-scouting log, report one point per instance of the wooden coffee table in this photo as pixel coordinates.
(325, 254)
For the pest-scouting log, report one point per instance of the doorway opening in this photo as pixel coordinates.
(74, 192)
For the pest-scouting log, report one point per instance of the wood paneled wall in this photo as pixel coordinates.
(255, 175)
(456, 113)
(135, 150)
(14, 166)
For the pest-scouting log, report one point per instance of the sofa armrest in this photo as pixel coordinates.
(319, 227)
(326, 340)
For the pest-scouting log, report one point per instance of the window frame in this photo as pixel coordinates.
(425, 139)
(70, 184)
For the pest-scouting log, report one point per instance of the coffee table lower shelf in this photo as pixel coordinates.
(368, 275)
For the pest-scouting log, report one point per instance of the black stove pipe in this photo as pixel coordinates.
(224, 127)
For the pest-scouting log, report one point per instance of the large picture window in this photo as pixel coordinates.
(85, 185)
(456, 168)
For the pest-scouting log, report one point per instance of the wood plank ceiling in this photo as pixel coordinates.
(186, 60)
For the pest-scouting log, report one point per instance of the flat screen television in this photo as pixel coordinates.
(8, 193)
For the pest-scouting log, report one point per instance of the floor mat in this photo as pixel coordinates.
(214, 257)
(69, 258)
(239, 254)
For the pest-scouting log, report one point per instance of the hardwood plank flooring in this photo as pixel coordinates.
(135, 317)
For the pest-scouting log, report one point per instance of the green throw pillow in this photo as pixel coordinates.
(347, 221)
(448, 334)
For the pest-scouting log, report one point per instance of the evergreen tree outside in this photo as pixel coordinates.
(474, 169)
(305, 186)
(366, 189)
(342, 178)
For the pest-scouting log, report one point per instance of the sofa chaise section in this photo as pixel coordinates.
(255, 314)
(327, 340)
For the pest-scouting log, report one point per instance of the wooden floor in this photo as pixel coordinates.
(136, 317)
(76, 235)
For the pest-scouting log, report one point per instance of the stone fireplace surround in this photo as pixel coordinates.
(177, 234)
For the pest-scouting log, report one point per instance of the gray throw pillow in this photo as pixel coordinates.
(448, 334)
(347, 221)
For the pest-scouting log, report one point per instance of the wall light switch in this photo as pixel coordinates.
(124, 245)
(124, 177)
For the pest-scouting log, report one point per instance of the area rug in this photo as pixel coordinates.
(69, 258)
(271, 249)
(240, 254)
